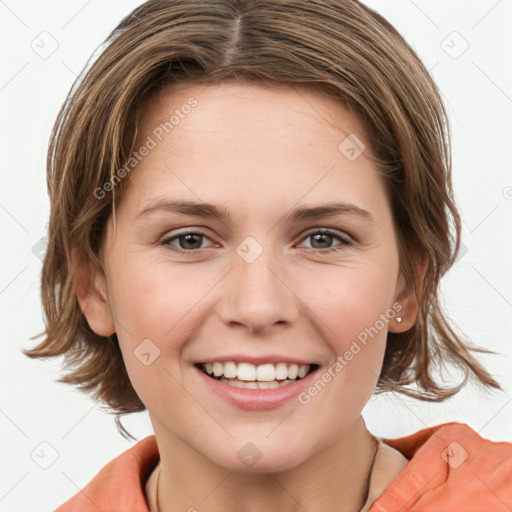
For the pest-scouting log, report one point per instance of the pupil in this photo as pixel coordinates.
(322, 236)
(187, 243)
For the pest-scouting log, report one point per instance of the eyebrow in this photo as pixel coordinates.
(303, 213)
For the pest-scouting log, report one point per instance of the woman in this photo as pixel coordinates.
(251, 207)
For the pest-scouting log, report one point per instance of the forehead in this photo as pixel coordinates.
(217, 142)
(249, 113)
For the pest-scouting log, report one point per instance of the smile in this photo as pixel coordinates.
(249, 376)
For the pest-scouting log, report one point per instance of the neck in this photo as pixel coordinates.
(335, 478)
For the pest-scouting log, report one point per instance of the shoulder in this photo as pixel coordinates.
(119, 485)
(442, 436)
(450, 468)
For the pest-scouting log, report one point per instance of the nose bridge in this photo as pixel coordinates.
(256, 294)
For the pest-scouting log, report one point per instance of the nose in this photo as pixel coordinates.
(258, 295)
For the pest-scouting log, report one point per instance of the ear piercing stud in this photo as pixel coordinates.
(399, 319)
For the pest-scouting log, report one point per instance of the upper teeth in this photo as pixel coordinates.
(264, 372)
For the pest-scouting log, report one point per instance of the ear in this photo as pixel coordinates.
(406, 295)
(90, 285)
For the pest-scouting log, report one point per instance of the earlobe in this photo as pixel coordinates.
(90, 286)
(406, 296)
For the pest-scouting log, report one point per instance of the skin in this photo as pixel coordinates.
(260, 152)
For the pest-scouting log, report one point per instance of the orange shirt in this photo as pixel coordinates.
(451, 469)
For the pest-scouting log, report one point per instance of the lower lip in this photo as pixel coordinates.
(257, 399)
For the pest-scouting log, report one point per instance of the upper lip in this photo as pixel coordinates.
(256, 360)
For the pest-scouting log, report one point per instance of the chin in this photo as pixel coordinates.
(252, 458)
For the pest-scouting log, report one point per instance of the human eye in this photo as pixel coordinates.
(187, 241)
(192, 241)
(326, 236)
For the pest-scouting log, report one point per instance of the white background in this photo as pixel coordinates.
(477, 292)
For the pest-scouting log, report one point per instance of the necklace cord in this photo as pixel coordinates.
(369, 476)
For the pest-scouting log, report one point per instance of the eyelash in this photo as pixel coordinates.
(344, 240)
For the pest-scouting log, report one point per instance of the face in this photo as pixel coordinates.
(266, 277)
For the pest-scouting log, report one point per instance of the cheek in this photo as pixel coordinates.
(351, 301)
(159, 307)
(354, 326)
(154, 298)
(352, 310)
(153, 307)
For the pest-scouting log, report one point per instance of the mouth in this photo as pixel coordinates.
(249, 376)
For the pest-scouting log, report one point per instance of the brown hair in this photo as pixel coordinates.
(339, 46)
